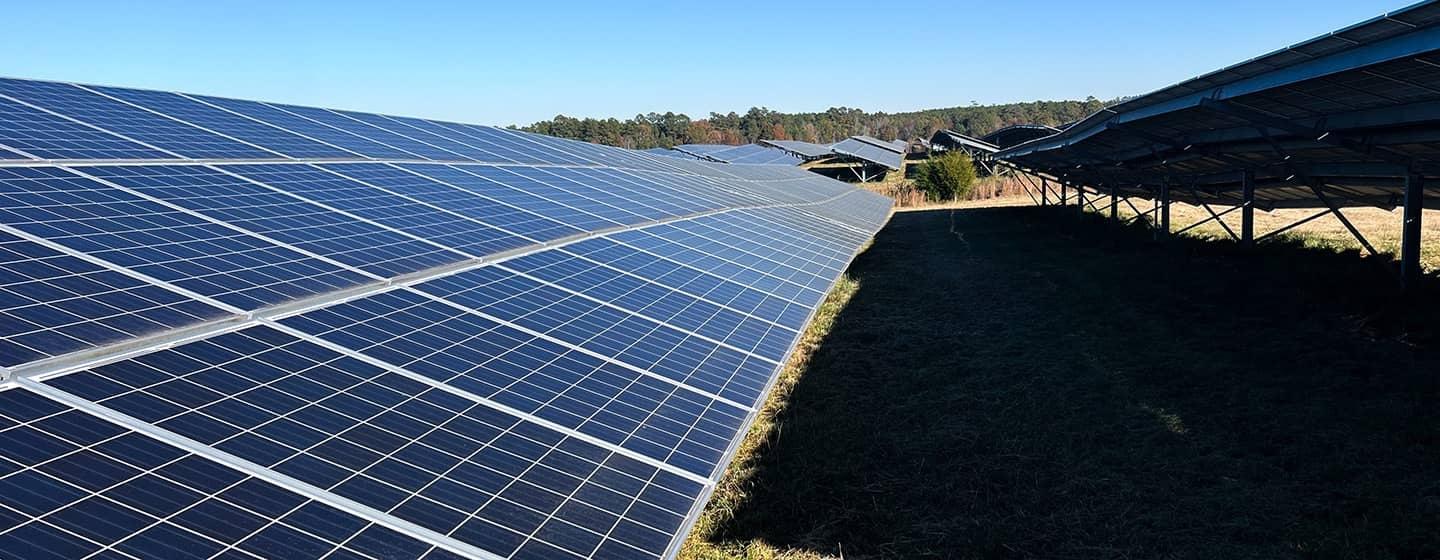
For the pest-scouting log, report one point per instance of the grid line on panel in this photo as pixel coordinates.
(105, 264)
(273, 116)
(108, 94)
(133, 232)
(706, 286)
(53, 303)
(480, 400)
(550, 380)
(227, 123)
(419, 133)
(589, 351)
(371, 132)
(629, 312)
(635, 341)
(44, 134)
(367, 196)
(665, 250)
(337, 210)
(139, 496)
(499, 185)
(228, 225)
(301, 389)
(746, 330)
(288, 219)
(83, 105)
(444, 186)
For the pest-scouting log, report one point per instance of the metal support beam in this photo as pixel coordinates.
(1316, 216)
(1410, 235)
(1164, 231)
(1079, 198)
(1247, 209)
(1114, 202)
(1213, 215)
(1320, 194)
(1064, 194)
(1044, 191)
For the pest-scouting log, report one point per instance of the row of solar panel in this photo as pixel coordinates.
(248, 236)
(755, 154)
(66, 121)
(449, 405)
(59, 121)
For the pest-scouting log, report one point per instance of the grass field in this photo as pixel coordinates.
(1016, 383)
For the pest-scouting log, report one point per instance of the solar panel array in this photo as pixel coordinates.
(745, 154)
(235, 329)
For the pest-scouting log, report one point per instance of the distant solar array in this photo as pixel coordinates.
(746, 153)
(235, 329)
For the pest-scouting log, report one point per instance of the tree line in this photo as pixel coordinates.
(665, 130)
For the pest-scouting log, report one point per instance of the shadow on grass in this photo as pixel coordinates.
(1010, 382)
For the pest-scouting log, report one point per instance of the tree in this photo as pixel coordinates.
(947, 177)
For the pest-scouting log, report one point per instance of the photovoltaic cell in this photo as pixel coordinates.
(47, 136)
(301, 125)
(507, 200)
(75, 486)
(527, 149)
(649, 415)
(416, 452)
(52, 303)
(515, 225)
(227, 123)
(500, 149)
(635, 340)
(422, 134)
(164, 243)
(283, 217)
(719, 286)
(114, 116)
(377, 134)
(372, 196)
(744, 331)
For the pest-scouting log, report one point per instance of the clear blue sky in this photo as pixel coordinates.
(523, 60)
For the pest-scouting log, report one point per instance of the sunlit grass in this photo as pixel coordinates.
(734, 488)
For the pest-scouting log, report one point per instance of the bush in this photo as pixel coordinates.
(948, 177)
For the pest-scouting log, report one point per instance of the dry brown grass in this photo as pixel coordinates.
(1381, 227)
(906, 196)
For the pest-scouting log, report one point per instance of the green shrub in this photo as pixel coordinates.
(947, 177)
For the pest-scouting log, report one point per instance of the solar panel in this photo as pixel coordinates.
(52, 303)
(362, 336)
(49, 136)
(207, 257)
(804, 149)
(869, 152)
(137, 124)
(73, 485)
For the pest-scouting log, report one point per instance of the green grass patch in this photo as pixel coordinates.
(1014, 383)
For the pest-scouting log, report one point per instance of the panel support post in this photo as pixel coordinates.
(1044, 192)
(1114, 203)
(1064, 192)
(1079, 199)
(1165, 209)
(1410, 230)
(1247, 209)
